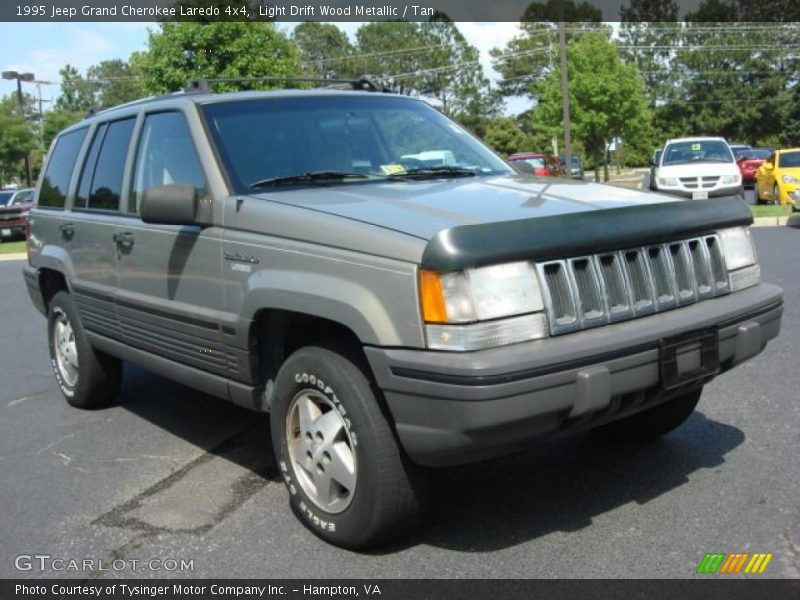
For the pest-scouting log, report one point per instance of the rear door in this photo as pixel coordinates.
(92, 224)
(170, 291)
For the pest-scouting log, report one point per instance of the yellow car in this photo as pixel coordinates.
(778, 178)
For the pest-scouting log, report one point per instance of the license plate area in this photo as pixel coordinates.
(701, 195)
(688, 357)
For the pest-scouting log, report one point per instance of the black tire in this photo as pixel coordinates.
(652, 423)
(386, 495)
(97, 376)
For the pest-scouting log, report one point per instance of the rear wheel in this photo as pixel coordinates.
(347, 478)
(654, 422)
(87, 378)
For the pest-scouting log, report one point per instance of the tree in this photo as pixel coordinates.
(16, 139)
(325, 52)
(182, 51)
(76, 93)
(504, 135)
(531, 56)
(116, 81)
(606, 95)
(55, 120)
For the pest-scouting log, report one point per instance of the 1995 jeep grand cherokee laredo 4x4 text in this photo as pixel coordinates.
(306, 253)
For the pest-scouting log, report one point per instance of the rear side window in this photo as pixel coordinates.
(166, 155)
(55, 183)
(100, 185)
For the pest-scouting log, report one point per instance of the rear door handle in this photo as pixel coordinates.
(67, 229)
(124, 239)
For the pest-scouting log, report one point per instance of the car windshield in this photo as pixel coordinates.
(789, 159)
(336, 140)
(696, 151)
(5, 197)
(755, 154)
(537, 162)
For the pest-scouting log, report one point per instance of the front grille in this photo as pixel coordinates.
(587, 291)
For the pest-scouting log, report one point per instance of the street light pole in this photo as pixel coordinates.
(20, 77)
(562, 42)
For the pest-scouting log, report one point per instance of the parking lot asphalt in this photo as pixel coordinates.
(170, 473)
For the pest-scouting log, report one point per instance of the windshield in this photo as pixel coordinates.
(789, 159)
(535, 163)
(367, 137)
(696, 151)
(5, 197)
(755, 154)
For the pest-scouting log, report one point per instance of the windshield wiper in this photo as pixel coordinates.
(433, 172)
(310, 177)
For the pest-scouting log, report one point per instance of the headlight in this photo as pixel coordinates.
(790, 179)
(667, 181)
(731, 178)
(740, 258)
(469, 310)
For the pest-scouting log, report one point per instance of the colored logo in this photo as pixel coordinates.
(736, 562)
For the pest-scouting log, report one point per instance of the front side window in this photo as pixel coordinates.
(787, 160)
(55, 182)
(697, 151)
(371, 137)
(23, 197)
(166, 155)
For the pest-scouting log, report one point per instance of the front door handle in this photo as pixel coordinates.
(67, 229)
(124, 239)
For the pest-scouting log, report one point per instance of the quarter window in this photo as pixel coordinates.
(55, 183)
(166, 156)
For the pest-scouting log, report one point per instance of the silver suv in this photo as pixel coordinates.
(311, 254)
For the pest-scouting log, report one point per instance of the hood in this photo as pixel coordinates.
(423, 208)
(793, 171)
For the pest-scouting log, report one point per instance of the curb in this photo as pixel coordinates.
(770, 221)
(14, 256)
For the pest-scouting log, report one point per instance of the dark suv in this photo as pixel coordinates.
(388, 288)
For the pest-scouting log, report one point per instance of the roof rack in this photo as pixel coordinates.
(363, 84)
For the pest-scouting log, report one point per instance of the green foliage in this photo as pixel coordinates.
(606, 95)
(325, 52)
(55, 120)
(77, 94)
(116, 81)
(16, 139)
(504, 135)
(180, 52)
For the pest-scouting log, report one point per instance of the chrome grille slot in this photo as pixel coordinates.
(663, 278)
(702, 268)
(719, 272)
(615, 286)
(559, 297)
(589, 293)
(684, 273)
(640, 280)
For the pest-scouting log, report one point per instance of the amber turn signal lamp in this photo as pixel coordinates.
(430, 292)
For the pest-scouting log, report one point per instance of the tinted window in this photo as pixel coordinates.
(166, 155)
(85, 181)
(5, 197)
(789, 159)
(106, 187)
(55, 182)
(23, 197)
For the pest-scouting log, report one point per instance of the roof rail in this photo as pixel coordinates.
(363, 84)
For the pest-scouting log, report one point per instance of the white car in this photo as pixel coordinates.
(698, 168)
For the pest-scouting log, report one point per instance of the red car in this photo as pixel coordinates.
(535, 163)
(14, 208)
(749, 161)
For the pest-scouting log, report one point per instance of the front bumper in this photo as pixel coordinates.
(729, 190)
(451, 408)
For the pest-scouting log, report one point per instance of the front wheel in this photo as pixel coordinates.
(652, 423)
(347, 478)
(87, 378)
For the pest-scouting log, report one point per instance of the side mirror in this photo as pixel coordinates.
(170, 205)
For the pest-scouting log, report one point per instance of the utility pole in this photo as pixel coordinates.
(562, 40)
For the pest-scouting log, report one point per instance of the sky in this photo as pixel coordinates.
(43, 48)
